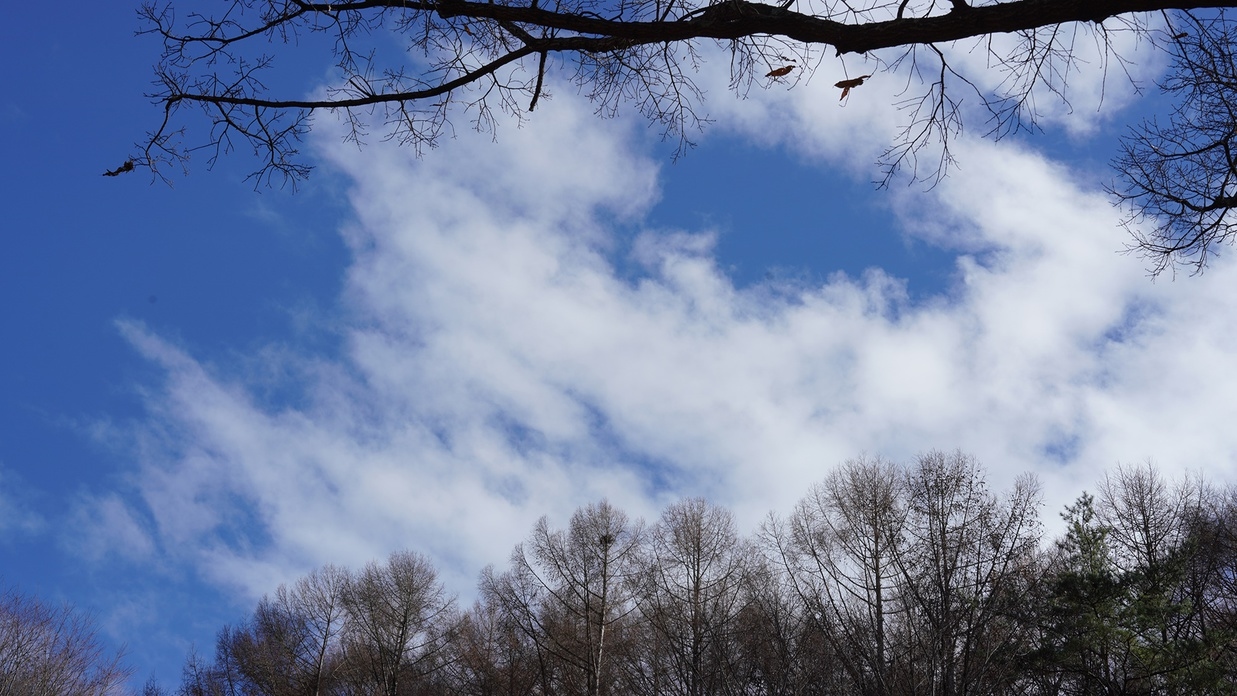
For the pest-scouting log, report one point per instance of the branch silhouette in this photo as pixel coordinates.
(475, 59)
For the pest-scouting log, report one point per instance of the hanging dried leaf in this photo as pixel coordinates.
(779, 72)
(847, 84)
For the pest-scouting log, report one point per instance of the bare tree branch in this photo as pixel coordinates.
(475, 57)
(1179, 177)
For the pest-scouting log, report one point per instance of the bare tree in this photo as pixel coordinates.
(399, 623)
(319, 599)
(841, 551)
(1147, 517)
(493, 656)
(290, 646)
(476, 58)
(967, 565)
(694, 592)
(48, 650)
(913, 576)
(266, 651)
(198, 678)
(1179, 177)
(572, 592)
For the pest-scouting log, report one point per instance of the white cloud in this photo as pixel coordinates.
(498, 367)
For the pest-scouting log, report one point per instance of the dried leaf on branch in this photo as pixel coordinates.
(847, 84)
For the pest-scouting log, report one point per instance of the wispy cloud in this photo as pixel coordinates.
(498, 367)
(17, 517)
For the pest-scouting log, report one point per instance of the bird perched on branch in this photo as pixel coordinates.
(126, 167)
(847, 84)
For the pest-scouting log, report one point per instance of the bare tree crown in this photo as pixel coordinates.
(409, 67)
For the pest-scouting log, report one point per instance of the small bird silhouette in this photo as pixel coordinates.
(779, 72)
(847, 84)
(126, 167)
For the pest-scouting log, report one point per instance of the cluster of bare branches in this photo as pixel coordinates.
(1179, 177)
(48, 650)
(408, 67)
(885, 579)
(382, 630)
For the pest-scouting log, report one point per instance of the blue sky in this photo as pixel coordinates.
(207, 390)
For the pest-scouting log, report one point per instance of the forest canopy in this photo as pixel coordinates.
(884, 579)
(410, 68)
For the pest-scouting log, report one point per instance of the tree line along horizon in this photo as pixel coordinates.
(884, 579)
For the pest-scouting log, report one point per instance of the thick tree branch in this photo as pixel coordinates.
(738, 18)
